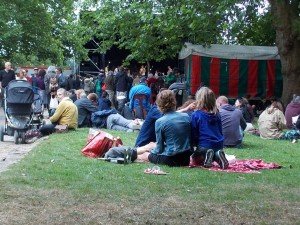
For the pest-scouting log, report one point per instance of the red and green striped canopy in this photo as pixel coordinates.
(234, 77)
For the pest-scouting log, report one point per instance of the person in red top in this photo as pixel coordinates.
(152, 83)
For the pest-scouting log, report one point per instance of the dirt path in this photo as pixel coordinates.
(11, 153)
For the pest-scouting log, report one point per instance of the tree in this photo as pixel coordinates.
(287, 25)
(157, 29)
(153, 30)
(36, 31)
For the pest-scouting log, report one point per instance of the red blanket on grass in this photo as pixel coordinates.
(246, 166)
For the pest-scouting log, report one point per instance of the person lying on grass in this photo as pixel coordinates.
(111, 119)
(172, 130)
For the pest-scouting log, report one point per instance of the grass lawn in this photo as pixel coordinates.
(55, 184)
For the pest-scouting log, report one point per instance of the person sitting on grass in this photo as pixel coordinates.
(65, 114)
(86, 105)
(233, 123)
(292, 109)
(173, 131)
(147, 132)
(271, 121)
(104, 102)
(298, 123)
(247, 111)
(207, 134)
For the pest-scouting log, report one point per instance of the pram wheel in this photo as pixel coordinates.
(16, 137)
(2, 133)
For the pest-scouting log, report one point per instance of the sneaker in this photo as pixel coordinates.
(208, 158)
(221, 159)
(127, 155)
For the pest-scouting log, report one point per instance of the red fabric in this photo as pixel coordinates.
(151, 80)
(234, 68)
(247, 166)
(100, 144)
(214, 82)
(196, 73)
(103, 87)
(252, 77)
(271, 78)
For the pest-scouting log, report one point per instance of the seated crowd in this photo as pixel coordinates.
(192, 135)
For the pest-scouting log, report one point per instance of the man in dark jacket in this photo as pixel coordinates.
(6, 75)
(86, 105)
(233, 123)
(121, 81)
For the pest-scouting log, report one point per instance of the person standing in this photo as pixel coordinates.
(109, 82)
(61, 78)
(121, 82)
(6, 76)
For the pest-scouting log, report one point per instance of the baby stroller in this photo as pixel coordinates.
(18, 100)
(38, 109)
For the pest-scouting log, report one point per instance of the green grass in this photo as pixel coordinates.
(55, 184)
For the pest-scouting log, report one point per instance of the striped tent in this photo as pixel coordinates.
(233, 71)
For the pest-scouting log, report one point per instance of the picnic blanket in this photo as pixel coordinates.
(246, 166)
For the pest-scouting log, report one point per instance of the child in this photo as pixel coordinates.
(207, 131)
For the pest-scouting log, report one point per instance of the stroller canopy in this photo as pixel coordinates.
(19, 92)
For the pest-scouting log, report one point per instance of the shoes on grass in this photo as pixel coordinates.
(221, 159)
(209, 156)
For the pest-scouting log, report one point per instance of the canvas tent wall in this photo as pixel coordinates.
(233, 70)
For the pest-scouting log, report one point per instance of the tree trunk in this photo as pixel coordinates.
(285, 15)
(148, 67)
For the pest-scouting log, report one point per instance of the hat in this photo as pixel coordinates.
(35, 68)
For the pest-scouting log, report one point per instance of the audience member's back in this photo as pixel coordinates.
(292, 109)
(232, 122)
(147, 132)
(103, 102)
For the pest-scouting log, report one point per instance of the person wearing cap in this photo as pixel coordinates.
(139, 96)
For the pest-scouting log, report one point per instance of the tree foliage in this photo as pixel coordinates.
(37, 31)
(157, 29)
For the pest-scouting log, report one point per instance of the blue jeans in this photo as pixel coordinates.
(118, 122)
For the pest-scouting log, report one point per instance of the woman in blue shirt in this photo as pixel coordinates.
(207, 131)
(172, 131)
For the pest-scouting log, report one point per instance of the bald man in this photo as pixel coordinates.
(6, 75)
(233, 122)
